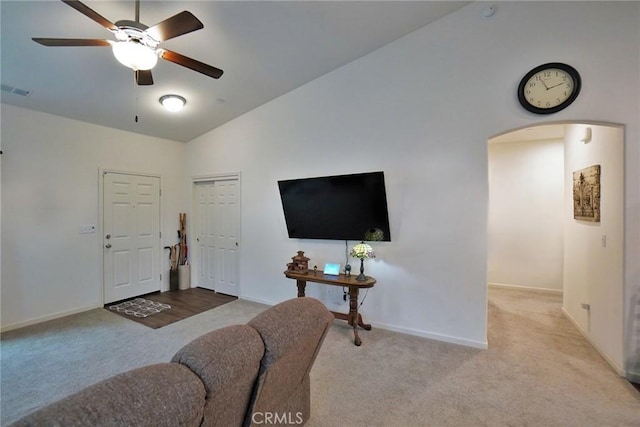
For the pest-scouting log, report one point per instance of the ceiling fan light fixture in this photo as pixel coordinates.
(173, 103)
(135, 55)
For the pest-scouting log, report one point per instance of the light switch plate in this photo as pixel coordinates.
(87, 229)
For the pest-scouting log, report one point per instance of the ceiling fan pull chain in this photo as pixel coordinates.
(135, 90)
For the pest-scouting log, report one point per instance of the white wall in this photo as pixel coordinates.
(50, 188)
(526, 205)
(593, 271)
(421, 109)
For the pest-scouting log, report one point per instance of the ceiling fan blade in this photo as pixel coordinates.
(143, 77)
(177, 25)
(90, 13)
(198, 66)
(71, 42)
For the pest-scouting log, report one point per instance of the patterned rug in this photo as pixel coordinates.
(139, 307)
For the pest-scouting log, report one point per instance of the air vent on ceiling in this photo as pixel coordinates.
(15, 90)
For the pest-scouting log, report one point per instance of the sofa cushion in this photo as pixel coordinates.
(228, 361)
(165, 394)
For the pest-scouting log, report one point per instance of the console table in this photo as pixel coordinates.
(354, 318)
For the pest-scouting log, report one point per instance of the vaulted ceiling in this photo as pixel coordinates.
(265, 48)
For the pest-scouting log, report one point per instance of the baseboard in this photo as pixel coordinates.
(48, 317)
(257, 300)
(434, 336)
(619, 370)
(525, 288)
(633, 377)
(409, 331)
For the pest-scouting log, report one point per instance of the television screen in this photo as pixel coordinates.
(341, 207)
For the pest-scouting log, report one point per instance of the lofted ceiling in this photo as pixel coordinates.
(266, 49)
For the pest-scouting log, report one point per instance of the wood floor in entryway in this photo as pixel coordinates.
(184, 303)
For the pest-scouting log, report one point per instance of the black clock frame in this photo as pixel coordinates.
(573, 73)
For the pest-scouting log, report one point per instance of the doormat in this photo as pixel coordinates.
(139, 307)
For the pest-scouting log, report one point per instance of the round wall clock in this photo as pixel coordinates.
(549, 88)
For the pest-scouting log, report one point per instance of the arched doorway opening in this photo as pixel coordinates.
(536, 242)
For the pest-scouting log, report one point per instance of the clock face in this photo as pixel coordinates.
(549, 88)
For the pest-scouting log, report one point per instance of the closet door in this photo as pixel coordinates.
(218, 223)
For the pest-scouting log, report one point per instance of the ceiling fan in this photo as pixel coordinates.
(137, 45)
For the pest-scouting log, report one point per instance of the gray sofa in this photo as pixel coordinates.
(241, 375)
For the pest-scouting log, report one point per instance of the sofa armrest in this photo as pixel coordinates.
(227, 361)
(293, 332)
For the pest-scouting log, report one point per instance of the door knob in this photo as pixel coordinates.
(108, 245)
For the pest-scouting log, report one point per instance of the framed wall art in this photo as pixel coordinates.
(586, 194)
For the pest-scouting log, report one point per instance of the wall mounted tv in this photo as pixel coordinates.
(340, 207)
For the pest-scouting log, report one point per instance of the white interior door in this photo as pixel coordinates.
(217, 228)
(131, 240)
(205, 234)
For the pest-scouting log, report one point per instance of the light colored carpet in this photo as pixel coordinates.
(538, 370)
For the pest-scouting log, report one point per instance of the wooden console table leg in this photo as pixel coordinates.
(363, 325)
(301, 286)
(354, 318)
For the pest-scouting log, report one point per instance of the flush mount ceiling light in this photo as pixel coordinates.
(173, 103)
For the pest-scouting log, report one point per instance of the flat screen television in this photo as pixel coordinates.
(340, 207)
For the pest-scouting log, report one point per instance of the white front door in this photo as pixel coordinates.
(217, 228)
(131, 235)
